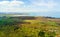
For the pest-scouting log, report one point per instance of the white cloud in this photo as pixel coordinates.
(46, 3)
(12, 3)
(13, 6)
(20, 6)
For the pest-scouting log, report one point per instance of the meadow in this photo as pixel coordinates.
(29, 27)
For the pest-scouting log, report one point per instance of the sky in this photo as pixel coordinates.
(33, 7)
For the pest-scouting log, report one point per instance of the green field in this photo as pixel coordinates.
(38, 27)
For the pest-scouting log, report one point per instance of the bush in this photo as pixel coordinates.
(41, 33)
(46, 34)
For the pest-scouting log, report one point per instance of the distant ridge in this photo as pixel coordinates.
(14, 13)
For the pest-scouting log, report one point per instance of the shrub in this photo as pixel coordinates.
(46, 34)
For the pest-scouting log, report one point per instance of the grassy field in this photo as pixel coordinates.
(38, 27)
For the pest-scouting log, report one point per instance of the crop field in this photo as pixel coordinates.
(38, 27)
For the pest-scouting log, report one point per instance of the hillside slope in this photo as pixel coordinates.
(33, 27)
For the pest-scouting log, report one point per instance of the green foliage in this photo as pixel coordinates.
(51, 23)
(46, 34)
(8, 21)
(41, 33)
(12, 28)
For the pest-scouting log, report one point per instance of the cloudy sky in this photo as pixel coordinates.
(39, 7)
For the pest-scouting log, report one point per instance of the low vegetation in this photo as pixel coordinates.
(15, 27)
